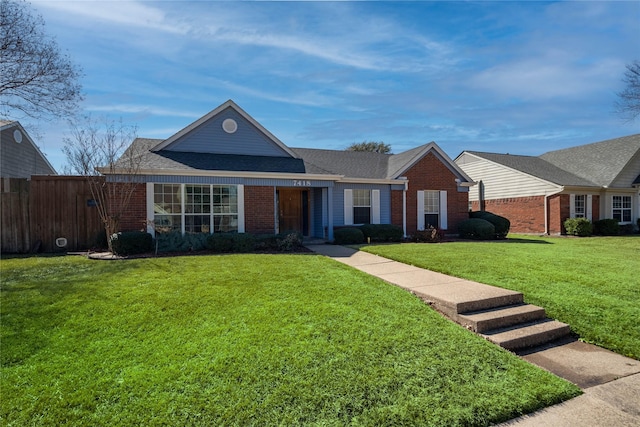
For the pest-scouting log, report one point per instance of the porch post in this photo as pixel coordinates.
(330, 212)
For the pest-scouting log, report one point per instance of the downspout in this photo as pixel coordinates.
(546, 209)
(404, 206)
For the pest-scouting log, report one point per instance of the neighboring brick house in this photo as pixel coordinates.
(537, 194)
(20, 156)
(227, 173)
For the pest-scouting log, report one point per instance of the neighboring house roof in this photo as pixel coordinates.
(591, 165)
(536, 167)
(600, 162)
(20, 156)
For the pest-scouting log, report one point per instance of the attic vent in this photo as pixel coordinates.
(17, 136)
(229, 125)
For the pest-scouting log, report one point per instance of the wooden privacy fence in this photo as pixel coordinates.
(37, 212)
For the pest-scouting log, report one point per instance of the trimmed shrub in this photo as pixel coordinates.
(626, 229)
(606, 227)
(220, 242)
(477, 229)
(578, 227)
(348, 236)
(501, 224)
(131, 242)
(382, 232)
(430, 235)
(174, 241)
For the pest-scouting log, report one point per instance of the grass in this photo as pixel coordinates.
(593, 284)
(243, 340)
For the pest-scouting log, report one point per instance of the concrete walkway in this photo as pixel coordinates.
(611, 382)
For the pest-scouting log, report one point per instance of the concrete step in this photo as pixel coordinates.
(501, 317)
(528, 334)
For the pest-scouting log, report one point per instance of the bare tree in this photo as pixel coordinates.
(375, 147)
(628, 104)
(36, 79)
(95, 149)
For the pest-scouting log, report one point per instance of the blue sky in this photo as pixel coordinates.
(517, 77)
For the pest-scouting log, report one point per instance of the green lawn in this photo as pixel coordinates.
(593, 284)
(243, 340)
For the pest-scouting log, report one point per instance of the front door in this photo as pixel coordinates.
(291, 210)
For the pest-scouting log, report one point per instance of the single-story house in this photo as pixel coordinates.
(20, 157)
(537, 194)
(226, 173)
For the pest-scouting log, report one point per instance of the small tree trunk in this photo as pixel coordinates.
(110, 227)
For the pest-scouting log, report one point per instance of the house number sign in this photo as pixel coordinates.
(299, 183)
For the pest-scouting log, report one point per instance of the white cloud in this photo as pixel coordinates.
(142, 109)
(127, 13)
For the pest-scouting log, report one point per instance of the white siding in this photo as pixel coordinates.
(628, 174)
(499, 181)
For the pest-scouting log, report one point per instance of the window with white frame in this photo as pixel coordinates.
(167, 207)
(196, 208)
(621, 208)
(361, 206)
(431, 209)
(225, 208)
(580, 206)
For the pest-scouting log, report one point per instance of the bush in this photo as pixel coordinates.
(578, 227)
(606, 227)
(382, 232)
(477, 229)
(174, 241)
(131, 242)
(348, 236)
(288, 241)
(430, 235)
(231, 242)
(501, 224)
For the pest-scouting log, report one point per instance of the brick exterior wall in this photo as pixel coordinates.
(527, 213)
(135, 215)
(431, 174)
(396, 207)
(259, 210)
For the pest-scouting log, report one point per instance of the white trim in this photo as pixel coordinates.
(443, 210)
(150, 208)
(420, 210)
(347, 180)
(348, 206)
(589, 207)
(230, 174)
(572, 205)
(240, 192)
(375, 206)
(435, 147)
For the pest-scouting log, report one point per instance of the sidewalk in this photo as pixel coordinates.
(611, 382)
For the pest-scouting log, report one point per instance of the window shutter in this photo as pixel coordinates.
(443, 210)
(420, 210)
(572, 205)
(348, 207)
(589, 207)
(375, 206)
(240, 208)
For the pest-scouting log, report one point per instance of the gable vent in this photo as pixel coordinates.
(229, 125)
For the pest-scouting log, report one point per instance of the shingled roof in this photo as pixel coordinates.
(537, 167)
(592, 165)
(600, 162)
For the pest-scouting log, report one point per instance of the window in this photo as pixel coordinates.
(621, 208)
(196, 208)
(579, 206)
(225, 208)
(361, 206)
(431, 209)
(167, 207)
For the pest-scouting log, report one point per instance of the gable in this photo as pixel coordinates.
(409, 160)
(226, 130)
(20, 156)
